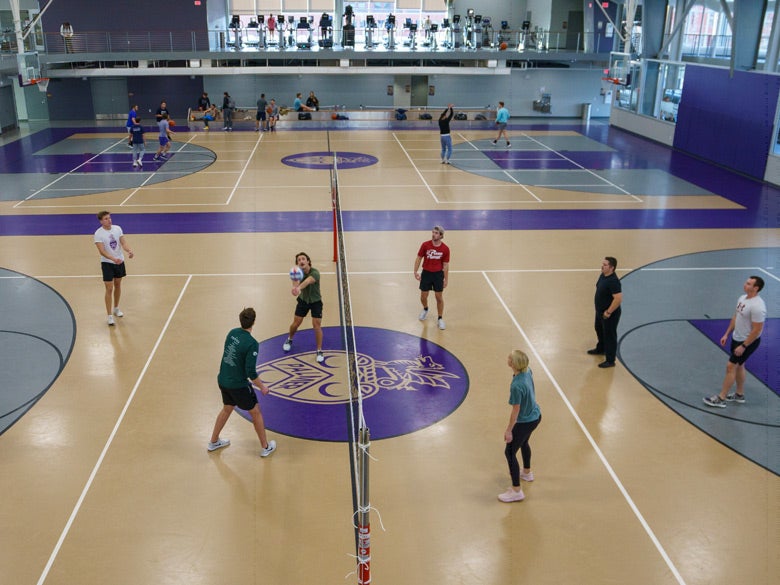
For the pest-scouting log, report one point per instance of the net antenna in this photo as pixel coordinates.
(359, 435)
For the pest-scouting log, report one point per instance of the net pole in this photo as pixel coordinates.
(334, 195)
(364, 521)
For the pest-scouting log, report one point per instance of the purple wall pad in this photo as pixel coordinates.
(728, 118)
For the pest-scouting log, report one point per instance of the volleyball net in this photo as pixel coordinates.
(359, 436)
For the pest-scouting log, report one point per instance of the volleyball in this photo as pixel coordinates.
(296, 274)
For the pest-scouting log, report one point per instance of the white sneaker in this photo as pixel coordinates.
(110, 320)
(118, 312)
(140, 163)
(423, 315)
(268, 450)
(287, 345)
(218, 444)
(320, 357)
(442, 324)
(135, 163)
(527, 476)
(511, 495)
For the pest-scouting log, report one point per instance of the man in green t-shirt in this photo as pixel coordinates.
(239, 364)
(309, 299)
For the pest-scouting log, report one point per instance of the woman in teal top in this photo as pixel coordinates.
(523, 420)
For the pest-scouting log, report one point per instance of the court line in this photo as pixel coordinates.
(578, 165)
(414, 166)
(68, 173)
(392, 272)
(151, 175)
(243, 170)
(110, 439)
(659, 547)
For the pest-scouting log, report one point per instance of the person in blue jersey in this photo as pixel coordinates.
(237, 380)
(132, 120)
(524, 417)
(502, 117)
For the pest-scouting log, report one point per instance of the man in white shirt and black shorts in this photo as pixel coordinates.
(747, 323)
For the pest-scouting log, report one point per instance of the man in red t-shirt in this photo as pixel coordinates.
(434, 256)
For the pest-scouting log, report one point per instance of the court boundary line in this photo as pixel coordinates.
(151, 175)
(599, 453)
(113, 144)
(589, 171)
(389, 272)
(414, 166)
(109, 441)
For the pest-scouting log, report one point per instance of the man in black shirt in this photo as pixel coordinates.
(444, 134)
(609, 295)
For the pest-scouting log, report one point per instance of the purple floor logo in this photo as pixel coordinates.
(325, 160)
(407, 383)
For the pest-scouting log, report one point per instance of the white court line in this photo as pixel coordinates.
(149, 178)
(414, 166)
(68, 173)
(110, 439)
(589, 171)
(590, 439)
(392, 272)
(243, 170)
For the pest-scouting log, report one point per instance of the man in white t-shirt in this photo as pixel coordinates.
(111, 244)
(747, 325)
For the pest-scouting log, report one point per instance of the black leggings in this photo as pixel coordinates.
(521, 432)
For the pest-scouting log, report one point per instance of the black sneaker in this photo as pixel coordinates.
(734, 397)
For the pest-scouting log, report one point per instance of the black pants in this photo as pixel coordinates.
(606, 333)
(521, 432)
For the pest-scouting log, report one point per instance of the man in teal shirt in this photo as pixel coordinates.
(502, 117)
(239, 364)
(309, 299)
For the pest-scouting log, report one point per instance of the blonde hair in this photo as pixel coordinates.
(519, 360)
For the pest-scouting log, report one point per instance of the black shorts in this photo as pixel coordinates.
(432, 281)
(741, 359)
(245, 398)
(302, 309)
(112, 271)
(260, 116)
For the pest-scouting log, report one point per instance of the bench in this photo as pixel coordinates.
(364, 114)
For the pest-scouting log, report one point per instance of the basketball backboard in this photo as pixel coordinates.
(29, 68)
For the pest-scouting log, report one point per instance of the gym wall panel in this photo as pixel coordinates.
(728, 119)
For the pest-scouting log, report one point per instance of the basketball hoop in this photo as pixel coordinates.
(42, 83)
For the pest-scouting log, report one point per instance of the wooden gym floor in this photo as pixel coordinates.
(106, 477)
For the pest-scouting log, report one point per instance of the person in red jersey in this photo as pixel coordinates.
(434, 255)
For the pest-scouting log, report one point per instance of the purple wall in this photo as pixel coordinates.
(138, 15)
(728, 120)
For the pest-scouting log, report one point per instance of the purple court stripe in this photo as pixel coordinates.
(356, 221)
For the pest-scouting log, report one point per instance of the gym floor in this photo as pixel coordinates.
(106, 477)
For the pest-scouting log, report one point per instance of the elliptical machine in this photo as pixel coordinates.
(370, 31)
(390, 30)
(456, 33)
(291, 28)
(326, 31)
(348, 33)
